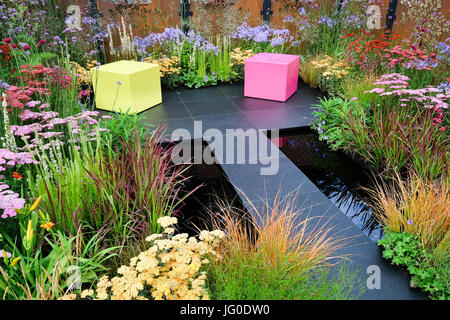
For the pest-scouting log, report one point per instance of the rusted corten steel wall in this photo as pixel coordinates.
(147, 16)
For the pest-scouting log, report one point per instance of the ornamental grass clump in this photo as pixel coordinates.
(135, 187)
(277, 253)
(280, 232)
(406, 128)
(173, 268)
(416, 206)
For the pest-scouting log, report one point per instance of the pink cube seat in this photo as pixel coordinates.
(271, 76)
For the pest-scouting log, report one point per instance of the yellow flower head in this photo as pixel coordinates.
(29, 234)
(36, 203)
(15, 261)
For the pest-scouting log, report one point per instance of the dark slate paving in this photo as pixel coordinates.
(173, 126)
(223, 122)
(171, 96)
(224, 107)
(206, 93)
(167, 111)
(199, 108)
(285, 117)
(232, 90)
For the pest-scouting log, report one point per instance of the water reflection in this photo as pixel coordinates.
(212, 196)
(335, 174)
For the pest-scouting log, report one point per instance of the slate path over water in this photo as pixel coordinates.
(225, 107)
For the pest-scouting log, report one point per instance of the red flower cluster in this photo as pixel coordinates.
(7, 46)
(41, 42)
(60, 77)
(366, 49)
(36, 78)
(399, 56)
(17, 175)
(32, 76)
(5, 55)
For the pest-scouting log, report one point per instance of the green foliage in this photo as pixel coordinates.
(48, 275)
(60, 178)
(402, 248)
(329, 115)
(429, 271)
(193, 80)
(395, 138)
(41, 58)
(257, 280)
(122, 125)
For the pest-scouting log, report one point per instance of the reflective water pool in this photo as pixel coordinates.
(335, 174)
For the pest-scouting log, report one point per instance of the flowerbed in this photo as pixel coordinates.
(84, 192)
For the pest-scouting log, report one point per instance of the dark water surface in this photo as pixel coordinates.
(213, 194)
(335, 174)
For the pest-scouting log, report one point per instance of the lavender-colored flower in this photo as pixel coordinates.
(444, 87)
(276, 41)
(288, 19)
(4, 253)
(3, 84)
(325, 19)
(409, 222)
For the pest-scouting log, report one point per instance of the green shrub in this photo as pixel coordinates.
(329, 120)
(53, 268)
(121, 126)
(429, 270)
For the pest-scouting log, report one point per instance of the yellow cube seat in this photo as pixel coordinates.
(127, 86)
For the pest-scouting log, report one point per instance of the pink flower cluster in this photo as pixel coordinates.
(9, 159)
(410, 57)
(429, 97)
(36, 78)
(19, 97)
(3, 253)
(47, 122)
(9, 201)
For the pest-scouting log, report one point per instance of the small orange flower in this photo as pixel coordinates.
(17, 175)
(47, 226)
